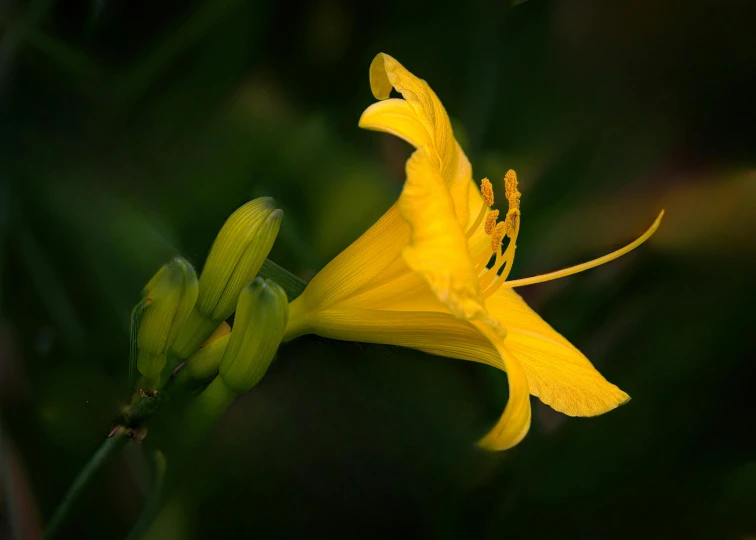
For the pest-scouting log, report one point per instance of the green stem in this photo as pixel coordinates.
(216, 400)
(206, 409)
(107, 449)
(141, 409)
(152, 504)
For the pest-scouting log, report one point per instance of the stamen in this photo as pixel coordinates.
(482, 258)
(490, 283)
(510, 188)
(590, 264)
(497, 235)
(496, 284)
(493, 272)
(486, 189)
(513, 199)
(490, 223)
(499, 279)
(512, 223)
(483, 269)
(490, 280)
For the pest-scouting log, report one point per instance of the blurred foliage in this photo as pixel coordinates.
(131, 130)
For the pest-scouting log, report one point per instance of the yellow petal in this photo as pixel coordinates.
(425, 114)
(358, 264)
(428, 331)
(559, 374)
(397, 117)
(514, 422)
(439, 333)
(408, 291)
(438, 248)
(386, 72)
(397, 287)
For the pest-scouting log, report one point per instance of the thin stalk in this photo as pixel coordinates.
(108, 449)
(152, 504)
(143, 407)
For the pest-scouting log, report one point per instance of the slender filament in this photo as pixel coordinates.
(590, 264)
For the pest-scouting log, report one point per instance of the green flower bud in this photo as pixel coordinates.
(167, 301)
(259, 325)
(237, 254)
(202, 366)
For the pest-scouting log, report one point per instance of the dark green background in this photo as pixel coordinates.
(130, 130)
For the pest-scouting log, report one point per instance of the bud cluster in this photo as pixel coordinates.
(182, 318)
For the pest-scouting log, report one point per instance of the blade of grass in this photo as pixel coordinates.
(290, 283)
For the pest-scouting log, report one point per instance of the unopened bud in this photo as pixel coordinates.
(237, 254)
(167, 301)
(259, 325)
(202, 366)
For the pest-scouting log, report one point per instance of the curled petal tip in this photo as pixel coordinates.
(379, 80)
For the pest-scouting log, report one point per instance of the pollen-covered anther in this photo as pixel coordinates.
(490, 223)
(510, 188)
(497, 235)
(486, 189)
(512, 222)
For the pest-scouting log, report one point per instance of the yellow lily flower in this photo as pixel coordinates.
(420, 276)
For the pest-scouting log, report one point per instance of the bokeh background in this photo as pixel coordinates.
(129, 131)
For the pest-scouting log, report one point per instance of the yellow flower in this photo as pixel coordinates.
(420, 276)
